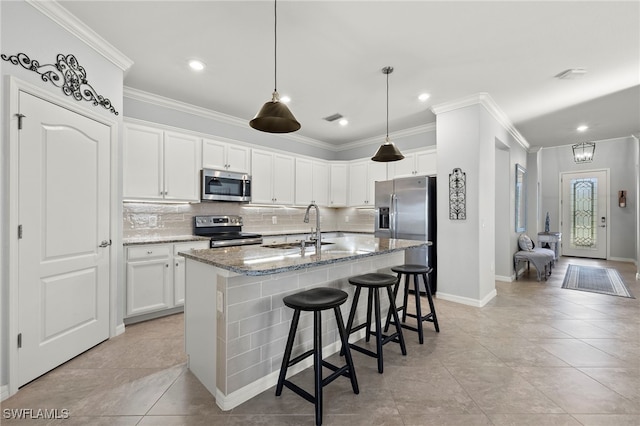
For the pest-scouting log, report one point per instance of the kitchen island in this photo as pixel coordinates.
(236, 324)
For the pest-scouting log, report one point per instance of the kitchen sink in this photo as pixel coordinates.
(294, 244)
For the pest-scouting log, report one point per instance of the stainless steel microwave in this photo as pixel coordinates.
(220, 185)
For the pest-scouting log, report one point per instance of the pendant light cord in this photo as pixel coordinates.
(275, 47)
(387, 107)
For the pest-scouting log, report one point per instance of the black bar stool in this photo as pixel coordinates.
(374, 282)
(407, 271)
(316, 300)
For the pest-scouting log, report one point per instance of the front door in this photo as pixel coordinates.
(63, 266)
(584, 214)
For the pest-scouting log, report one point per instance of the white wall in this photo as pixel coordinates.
(617, 155)
(23, 29)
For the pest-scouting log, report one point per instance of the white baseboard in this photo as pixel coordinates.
(119, 329)
(478, 303)
(504, 279)
(232, 400)
(4, 392)
(622, 259)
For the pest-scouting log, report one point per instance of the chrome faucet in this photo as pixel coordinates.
(306, 220)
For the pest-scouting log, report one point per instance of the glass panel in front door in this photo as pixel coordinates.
(584, 197)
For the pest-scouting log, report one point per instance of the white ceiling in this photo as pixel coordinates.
(330, 56)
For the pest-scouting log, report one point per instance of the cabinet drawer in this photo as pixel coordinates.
(148, 252)
(198, 245)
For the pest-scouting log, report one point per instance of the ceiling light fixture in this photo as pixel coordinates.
(196, 65)
(387, 151)
(343, 121)
(274, 116)
(583, 152)
(582, 128)
(423, 97)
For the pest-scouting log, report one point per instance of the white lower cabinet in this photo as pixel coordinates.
(156, 277)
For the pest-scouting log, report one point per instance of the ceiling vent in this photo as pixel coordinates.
(333, 117)
(571, 74)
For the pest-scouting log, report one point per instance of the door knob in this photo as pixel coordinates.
(105, 243)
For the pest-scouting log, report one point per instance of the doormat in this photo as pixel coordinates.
(596, 280)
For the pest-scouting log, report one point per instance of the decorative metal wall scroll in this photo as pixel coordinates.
(457, 195)
(66, 73)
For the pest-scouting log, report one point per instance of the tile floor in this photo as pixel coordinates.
(535, 355)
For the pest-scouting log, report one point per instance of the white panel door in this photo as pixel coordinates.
(426, 163)
(321, 183)
(238, 159)
(64, 174)
(214, 154)
(304, 181)
(584, 214)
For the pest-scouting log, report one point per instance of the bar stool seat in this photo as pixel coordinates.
(316, 300)
(374, 282)
(415, 271)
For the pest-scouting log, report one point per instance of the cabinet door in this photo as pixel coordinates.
(179, 278)
(283, 179)
(320, 172)
(376, 172)
(261, 177)
(426, 163)
(181, 167)
(142, 163)
(358, 183)
(214, 155)
(179, 273)
(238, 159)
(148, 286)
(338, 190)
(304, 182)
(403, 168)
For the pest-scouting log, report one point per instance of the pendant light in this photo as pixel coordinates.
(274, 116)
(387, 151)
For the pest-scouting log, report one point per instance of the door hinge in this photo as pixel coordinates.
(19, 232)
(19, 340)
(20, 117)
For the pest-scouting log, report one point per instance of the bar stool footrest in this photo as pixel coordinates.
(301, 392)
(300, 357)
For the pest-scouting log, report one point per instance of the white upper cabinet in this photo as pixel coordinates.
(159, 165)
(223, 156)
(181, 167)
(362, 177)
(272, 178)
(312, 182)
(338, 186)
(414, 164)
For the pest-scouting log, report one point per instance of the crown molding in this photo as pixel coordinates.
(164, 102)
(61, 16)
(429, 127)
(490, 105)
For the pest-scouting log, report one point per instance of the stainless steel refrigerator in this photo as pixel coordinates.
(406, 209)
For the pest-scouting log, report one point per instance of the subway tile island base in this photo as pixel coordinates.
(236, 324)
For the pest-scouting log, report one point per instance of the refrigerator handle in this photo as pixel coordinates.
(393, 217)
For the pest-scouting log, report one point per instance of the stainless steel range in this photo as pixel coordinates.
(225, 231)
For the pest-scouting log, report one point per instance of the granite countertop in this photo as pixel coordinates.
(262, 260)
(160, 239)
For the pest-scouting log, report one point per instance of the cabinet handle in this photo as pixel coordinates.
(176, 263)
(167, 265)
(149, 251)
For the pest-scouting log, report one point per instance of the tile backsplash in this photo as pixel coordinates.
(164, 220)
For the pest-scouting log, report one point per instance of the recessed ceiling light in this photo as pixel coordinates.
(343, 122)
(424, 96)
(582, 128)
(196, 65)
(285, 99)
